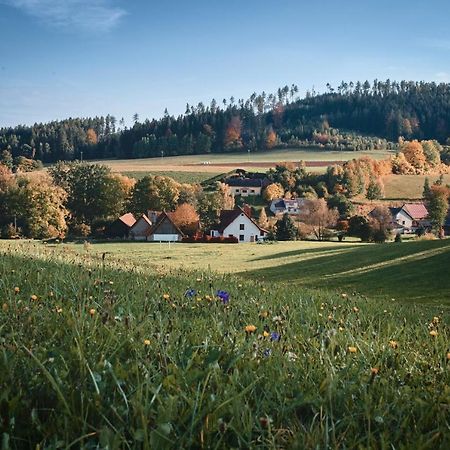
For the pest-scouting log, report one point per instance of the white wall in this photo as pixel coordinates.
(164, 237)
(403, 219)
(250, 229)
(245, 191)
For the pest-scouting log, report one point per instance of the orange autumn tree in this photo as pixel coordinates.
(186, 218)
(271, 138)
(415, 155)
(91, 137)
(233, 138)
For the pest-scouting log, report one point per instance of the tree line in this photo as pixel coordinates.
(387, 110)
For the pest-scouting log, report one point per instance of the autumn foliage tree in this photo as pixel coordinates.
(186, 218)
(233, 140)
(319, 217)
(273, 191)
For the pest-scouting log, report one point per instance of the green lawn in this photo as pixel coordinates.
(412, 272)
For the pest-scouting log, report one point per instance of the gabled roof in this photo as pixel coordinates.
(142, 218)
(228, 216)
(417, 211)
(162, 217)
(395, 211)
(128, 219)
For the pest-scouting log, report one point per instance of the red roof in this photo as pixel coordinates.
(128, 219)
(417, 211)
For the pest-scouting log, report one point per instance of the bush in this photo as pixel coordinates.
(80, 229)
(398, 237)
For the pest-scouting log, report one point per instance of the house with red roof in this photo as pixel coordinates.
(238, 223)
(409, 217)
(121, 227)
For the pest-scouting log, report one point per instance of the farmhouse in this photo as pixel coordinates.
(164, 230)
(120, 228)
(237, 223)
(140, 230)
(246, 187)
(409, 217)
(291, 206)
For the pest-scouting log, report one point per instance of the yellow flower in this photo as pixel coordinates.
(344, 295)
(17, 290)
(433, 333)
(330, 317)
(34, 297)
(263, 314)
(92, 312)
(250, 329)
(58, 310)
(166, 296)
(146, 342)
(5, 307)
(266, 334)
(374, 371)
(355, 309)
(448, 356)
(264, 289)
(352, 349)
(435, 320)
(393, 344)
(341, 329)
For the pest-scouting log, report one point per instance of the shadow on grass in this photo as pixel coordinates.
(329, 250)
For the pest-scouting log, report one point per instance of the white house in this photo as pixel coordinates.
(291, 206)
(140, 229)
(236, 223)
(409, 217)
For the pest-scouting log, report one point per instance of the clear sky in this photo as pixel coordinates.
(70, 58)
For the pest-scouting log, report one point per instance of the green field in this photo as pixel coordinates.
(410, 272)
(112, 353)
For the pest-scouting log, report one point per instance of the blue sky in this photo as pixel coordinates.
(70, 58)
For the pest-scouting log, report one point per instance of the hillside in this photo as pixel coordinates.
(100, 353)
(374, 113)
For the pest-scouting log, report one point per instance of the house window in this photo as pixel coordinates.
(252, 191)
(231, 235)
(242, 226)
(241, 237)
(244, 191)
(261, 233)
(403, 222)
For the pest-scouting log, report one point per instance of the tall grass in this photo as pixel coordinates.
(93, 355)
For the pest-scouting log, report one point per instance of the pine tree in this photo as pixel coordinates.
(374, 190)
(286, 230)
(262, 220)
(426, 189)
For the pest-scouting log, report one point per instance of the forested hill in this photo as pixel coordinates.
(383, 109)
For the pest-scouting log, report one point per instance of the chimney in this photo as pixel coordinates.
(247, 209)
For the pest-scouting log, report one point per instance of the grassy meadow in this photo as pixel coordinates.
(411, 272)
(111, 353)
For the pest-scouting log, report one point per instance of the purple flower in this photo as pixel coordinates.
(267, 352)
(274, 336)
(190, 293)
(224, 296)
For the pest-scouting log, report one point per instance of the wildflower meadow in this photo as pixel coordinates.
(95, 354)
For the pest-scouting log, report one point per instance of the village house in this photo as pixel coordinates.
(164, 230)
(290, 206)
(120, 228)
(409, 218)
(246, 187)
(238, 223)
(141, 228)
